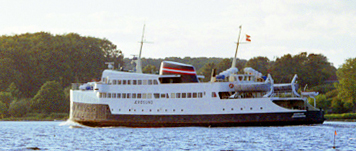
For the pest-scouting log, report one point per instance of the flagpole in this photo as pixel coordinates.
(334, 139)
(237, 46)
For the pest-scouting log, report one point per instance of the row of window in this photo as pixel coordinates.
(158, 110)
(132, 82)
(149, 95)
(166, 110)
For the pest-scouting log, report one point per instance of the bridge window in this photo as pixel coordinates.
(149, 95)
(156, 95)
(178, 95)
(139, 82)
(119, 95)
(173, 95)
(200, 95)
(133, 95)
(194, 95)
(184, 95)
(113, 81)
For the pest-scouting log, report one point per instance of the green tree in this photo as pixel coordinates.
(8, 73)
(261, 64)
(223, 65)
(206, 71)
(321, 101)
(347, 84)
(3, 110)
(312, 69)
(65, 58)
(6, 98)
(338, 106)
(50, 98)
(15, 92)
(149, 69)
(19, 108)
(66, 92)
(316, 70)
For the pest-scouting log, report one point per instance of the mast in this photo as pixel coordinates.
(138, 65)
(233, 65)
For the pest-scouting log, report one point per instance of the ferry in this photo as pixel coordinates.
(176, 97)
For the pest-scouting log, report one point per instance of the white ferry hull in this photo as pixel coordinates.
(99, 116)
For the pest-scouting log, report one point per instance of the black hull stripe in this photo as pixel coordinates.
(99, 115)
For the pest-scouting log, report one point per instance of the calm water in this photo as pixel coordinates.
(68, 136)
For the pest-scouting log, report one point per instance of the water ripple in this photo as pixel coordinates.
(71, 136)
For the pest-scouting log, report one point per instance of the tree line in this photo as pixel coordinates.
(34, 64)
(37, 69)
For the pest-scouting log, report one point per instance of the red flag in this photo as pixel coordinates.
(335, 133)
(248, 38)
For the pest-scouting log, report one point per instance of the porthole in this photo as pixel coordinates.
(135, 110)
(174, 110)
(181, 110)
(242, 109)
(142, 110)
(261, 108)
(232, 109)
(157, 110)
(250, 108)
(150, 110)
(129, 110)
(223, 109)
(166, 110)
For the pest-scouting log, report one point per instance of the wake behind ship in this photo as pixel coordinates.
(176, 97)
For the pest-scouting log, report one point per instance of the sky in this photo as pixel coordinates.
(196, 28)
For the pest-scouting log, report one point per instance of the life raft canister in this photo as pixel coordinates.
(231, 85)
